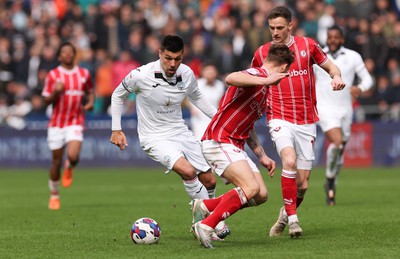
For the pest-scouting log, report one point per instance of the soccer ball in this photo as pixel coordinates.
(145, 231)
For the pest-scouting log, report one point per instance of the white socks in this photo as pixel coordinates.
(195, 189)
(334, 160)
(54, 188)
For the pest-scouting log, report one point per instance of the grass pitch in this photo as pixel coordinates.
(98, 209)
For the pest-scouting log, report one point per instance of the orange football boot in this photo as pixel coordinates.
(67, 175)
(54, 203)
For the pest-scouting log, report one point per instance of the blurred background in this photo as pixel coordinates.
(116, 36)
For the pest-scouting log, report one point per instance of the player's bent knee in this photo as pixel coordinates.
(289, 165)
(208, 180)
(251, 191)
(258, 199)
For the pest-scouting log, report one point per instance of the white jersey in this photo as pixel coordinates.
(213, 93)
(350, 64)
(335, 108)
(158, 100)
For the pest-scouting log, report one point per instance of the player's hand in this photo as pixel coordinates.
(337, 83)
(275, 78)
(355, 91)
(118, 138)
(88, 107)
(269, 164)
(59, 87)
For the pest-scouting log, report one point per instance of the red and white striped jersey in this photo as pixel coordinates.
(238, 110)
(294, 98)
(68, 109)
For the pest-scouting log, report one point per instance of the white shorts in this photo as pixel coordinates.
(59, 137)
(336, 119)
(300, 137)
(168, 150)
(220, 155)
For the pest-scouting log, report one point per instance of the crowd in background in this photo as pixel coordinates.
(115, 36)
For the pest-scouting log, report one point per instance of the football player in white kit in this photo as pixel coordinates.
(160, 89)
(336, 122)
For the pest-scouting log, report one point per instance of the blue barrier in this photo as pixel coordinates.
(372, 144)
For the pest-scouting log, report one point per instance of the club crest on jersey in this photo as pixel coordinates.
(180, 86)
(277, 129)
(303, 53)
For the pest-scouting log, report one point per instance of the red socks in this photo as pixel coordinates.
(289, 191)
(224, 206)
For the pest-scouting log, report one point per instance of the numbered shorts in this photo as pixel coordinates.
(59, 137)
(300, 137)
(329, 119)
(220, 155)
(168, 150)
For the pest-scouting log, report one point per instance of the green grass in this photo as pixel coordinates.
(99, 208)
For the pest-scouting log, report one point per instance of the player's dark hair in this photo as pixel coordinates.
(336, 27)
(280, 11)
(66, 44)
(280, 54)
(172, 43)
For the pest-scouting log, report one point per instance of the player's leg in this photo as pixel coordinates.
(194, 188)
(282, 136)
(304, 137)
(192, 152)
(262, 195)
(241, 175)
(56, 142)
(289, 192)
(54, 181)
(169, 153)
(74, 138)
(334, 157)
(207, 178)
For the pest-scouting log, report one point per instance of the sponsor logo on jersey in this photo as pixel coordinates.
(298, 72)
(74, 92)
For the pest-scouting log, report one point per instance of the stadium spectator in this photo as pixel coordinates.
(258, 33)
(160, 89)
(103, 85)
(223, 145)
(108, 25)
(3, 110)
(336, 123)
(213, 89)
(65, 88)
(17, 112)
(292, 124)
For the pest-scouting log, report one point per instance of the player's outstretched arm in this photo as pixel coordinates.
(240, 79)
